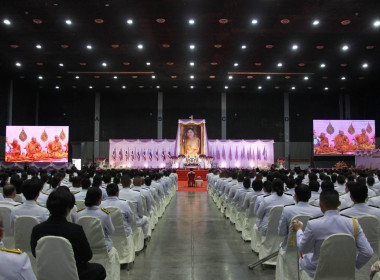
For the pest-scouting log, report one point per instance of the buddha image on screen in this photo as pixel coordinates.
(192, 143)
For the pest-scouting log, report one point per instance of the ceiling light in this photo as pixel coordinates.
(60, 65)
(192, 77)
(7, 21)
(191, 86)
(376, 23)
(294, 47)
(18, 64)
(268, 77)
(243, 47)
(279, 64)
(306, 78)
(326, 88)
(236, 64)
(104, 64)
(57, 87)
(316, 22)
(38, 46)
(124, 87)
(90, 87)
(293, 88)
(157, 86)
(192, 47)
(148, 63)
(129, 21)
(89, 47)
(153, 77)
(191, 63)
(40, 77)
(343, 78)
(345, 48)
(140, 46)
(365, 65)
(230, 77)
(68, 22)
(191, 21)
(226, 87)
(259, 87)
(254, 21)
(323, 65)
(115, 77)
(77, 77)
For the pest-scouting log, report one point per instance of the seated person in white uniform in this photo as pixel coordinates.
(86, 184)
(9, 192)
(318, 229)
(14, 264)
(359, 194)
(302, 207)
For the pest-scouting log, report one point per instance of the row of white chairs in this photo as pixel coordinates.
(286, 261)
(123, 252)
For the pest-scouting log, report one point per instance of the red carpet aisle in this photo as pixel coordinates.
(182, 187)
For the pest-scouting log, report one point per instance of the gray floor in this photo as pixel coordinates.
(193, 241)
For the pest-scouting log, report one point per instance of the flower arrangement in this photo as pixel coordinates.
(280, 160)
(202, 156)
(340, 165)
(101, 159)
(181, 156)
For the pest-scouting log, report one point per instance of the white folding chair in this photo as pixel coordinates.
(336, 259)
(55, 259)
(123, 243)
(240, 215)
(95, 235)
(18, 198)
(80, 204)
(8, 239)
(371, 228)
(287, 260)
(146, 213)
(138, 235)
(249, 221)
(270, 242)
(23, 231)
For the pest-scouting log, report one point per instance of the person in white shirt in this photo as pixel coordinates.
(376, 186)
(31, 190)
(341, 184)
(86, 184)
(257, 186)
(317, 230)
(359, 194)
(76, 184)
(9, 192)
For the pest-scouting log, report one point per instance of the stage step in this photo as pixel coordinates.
(182, 174)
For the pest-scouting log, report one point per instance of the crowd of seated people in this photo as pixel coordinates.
(51, 197)
(331, 197)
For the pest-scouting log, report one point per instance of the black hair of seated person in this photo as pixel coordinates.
(93, 195)
(327, 185)
(97, 181)
(330, 199)
(341, 179)
(290, 183)
(86, 183)
(76, 182)
(126, 180)
(31, 188)
(59, 201)
(234, 175)
(267, 185)
(314, 186)
(240, 177)
(370, 181)
(303, 192)
(257, 185)
(148, 181)
(361, 181)
(334, 178)
(116, 180)
(246, 183)
(107, 178)
(313, 177)
(17, 182)
(54, 182)
(112, 189)
(358, 192)
(8, 190)
(44, 177)
(350, 178)
(278, 186)
(350, 184)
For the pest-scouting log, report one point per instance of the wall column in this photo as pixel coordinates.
(160, 107)
(37, 108)
(341, 107)
(286, 128)
(10, 102)
(96, 125)
(224, 115)
(347, 107)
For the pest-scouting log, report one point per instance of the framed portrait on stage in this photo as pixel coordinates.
(191, 138)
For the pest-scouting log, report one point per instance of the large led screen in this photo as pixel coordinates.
(36, 143)
(343, 137)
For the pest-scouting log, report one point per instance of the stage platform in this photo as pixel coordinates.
(182, 174)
